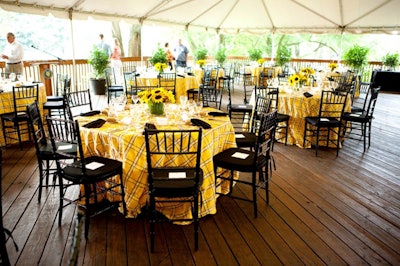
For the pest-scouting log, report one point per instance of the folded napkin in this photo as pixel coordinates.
(200, 123)
(95, 124)
(307, 94)
(179, 75)
(90, 113)
(217, 114)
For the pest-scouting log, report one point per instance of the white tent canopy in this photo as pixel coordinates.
(232, 16)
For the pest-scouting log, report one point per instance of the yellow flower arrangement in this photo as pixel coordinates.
(157, 95)
(301, 78)
(160, 67)
(260, 61)
(307, 71)
(201, 62)
(332, 66)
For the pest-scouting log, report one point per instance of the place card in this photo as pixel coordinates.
(240, 155)
(162, 121)
(64, 147)
(239, 136)
(177, 175)
(94, 165)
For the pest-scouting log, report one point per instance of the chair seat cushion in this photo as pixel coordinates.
(110, 168)
(356, 117)
(248, 140)
(282, 117)
(225, 159)
(241, 108)
(54, 105)
(54, 98)
(175, 187)
(46, 149)
(116, 88)
(20, 116)
(324, 121)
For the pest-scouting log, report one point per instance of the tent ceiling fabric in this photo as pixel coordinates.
(231, 16)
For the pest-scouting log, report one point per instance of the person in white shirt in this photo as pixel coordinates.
(13, 54)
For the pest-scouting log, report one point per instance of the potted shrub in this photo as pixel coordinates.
(356, 57)
(201, 54)
(255, 54)
(283, 55)
(99, 61)
(221, 56)
(391, 61)
(160, 56)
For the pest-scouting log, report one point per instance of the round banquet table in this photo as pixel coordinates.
(124, 141)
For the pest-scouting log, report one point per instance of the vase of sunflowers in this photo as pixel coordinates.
(160, 67)
(155, 99)
(332, 66)
(302, 78)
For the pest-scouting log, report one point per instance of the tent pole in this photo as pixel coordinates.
(74, 74)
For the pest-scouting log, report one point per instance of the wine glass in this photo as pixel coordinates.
(135, 99)
(199, 107)
(12, 76)
(183, 100)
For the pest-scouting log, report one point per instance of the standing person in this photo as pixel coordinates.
(13, 54)
(116, 63)
(181, 54)
(170, 57)
(103, 45)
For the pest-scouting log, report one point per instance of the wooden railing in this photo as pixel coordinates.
(79, 70)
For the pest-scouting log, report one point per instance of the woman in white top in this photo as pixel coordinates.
(116, 63)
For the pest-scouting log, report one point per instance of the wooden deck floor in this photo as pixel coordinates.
(323, 210)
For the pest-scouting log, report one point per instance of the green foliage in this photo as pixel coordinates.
(391, 60)
(255, 54)
(201, 54)
(159, 57)
(99, 60)
(356, 57)
(221, 55)
(283, 55)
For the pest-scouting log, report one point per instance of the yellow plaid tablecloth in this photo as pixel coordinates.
(297, 106)
(7, 104)
(182, 84)
(127, 144)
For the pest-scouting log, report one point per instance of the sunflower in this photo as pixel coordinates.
(332, 66)
(201, 62)
(158, 95)
(160, 67)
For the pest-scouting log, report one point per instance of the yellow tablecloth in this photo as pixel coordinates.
(182, 84)
(297, 106)
(7, 104)
(127, 144)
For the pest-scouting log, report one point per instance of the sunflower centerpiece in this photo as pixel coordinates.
(302, 78)
(160, 67)
(332, 66)
(155, 99)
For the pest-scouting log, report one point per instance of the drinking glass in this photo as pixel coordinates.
(183, 100)
(12, 76)
(199, 107)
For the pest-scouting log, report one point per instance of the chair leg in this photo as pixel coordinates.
(152, 222)
(254, 192)
(40, 179)
(87, 209)
(196, 222)
(16, 125)
(61, 201)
